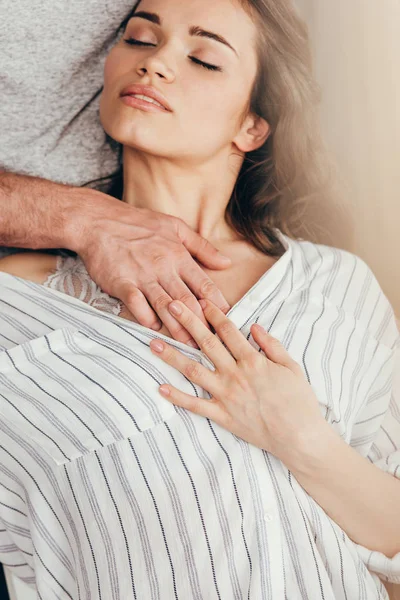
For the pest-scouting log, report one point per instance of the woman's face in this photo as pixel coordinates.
(206, 104)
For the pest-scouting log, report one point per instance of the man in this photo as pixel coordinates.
(52, 143)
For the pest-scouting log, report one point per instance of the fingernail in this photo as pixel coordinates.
(225, 258)
(157, 346)
(202, 303)
(191, 343)
(156, 326)
(175, 309)
(259, 328)
(164, 390)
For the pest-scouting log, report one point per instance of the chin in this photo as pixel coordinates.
(116, 123)
(145, 142)
(124, 131)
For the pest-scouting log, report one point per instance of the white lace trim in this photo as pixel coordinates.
(72, 278)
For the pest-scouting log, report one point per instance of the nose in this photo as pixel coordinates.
(155, 64)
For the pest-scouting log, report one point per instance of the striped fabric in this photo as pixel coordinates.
(108, 491)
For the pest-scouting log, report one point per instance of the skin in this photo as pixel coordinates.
(171, 165)
(133, 254)
(265, 399)
(168, 158)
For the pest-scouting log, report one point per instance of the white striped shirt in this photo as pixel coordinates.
(108, 491)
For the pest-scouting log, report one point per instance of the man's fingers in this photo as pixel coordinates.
(203, 250)
(160, 301)
(177, 290)
(137, 304)
(120, 257)
(202, 286)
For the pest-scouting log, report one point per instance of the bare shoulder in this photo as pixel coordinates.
(33, 266)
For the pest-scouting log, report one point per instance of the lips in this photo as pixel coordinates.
(146, 90)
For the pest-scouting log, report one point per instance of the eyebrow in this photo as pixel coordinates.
(193, 31)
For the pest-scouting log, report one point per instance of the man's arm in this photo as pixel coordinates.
(141, 257)
(33, 212)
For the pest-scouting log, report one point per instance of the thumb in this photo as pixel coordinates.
(201, 249)
(273, 348)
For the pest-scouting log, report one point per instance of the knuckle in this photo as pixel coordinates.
(274, 342)
(161, 302)
(187, 319)
(133, 296)
(192, 370)
(148, 321)
(231, 393)
(255, 360)
(172, 221)
(160, 260)
(208, 343)
(152, 324)
(186, 298)
(229, 375)
(296, 368)
(228, 422)
(204, 244)
(207, 288)
(226, 328)
(179, 333)
(168, 354)
(196, 407)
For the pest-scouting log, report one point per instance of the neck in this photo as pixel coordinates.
(196, 193)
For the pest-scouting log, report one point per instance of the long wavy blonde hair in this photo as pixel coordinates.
(293, 166)
(276, 181)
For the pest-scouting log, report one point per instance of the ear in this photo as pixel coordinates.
(253, 134)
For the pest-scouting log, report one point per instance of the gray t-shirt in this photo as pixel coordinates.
(52, 55)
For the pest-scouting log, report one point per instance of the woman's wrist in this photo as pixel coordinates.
(310, 452)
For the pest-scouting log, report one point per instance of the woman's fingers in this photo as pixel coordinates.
(160, 301)
(227, 331)
(274, 350)
(178, 290)
(191, 369)
(205, 408)
(205, 339)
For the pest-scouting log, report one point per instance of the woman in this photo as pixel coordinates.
(216, 128)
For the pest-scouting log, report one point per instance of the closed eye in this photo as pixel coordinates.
(133, 42)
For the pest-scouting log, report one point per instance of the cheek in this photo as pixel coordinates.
(113, 67)
(109, 69)
(218, 109)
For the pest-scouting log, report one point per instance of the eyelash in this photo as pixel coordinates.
(133, 42)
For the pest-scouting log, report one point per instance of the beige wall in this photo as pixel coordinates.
(357, 62)
(356, 47)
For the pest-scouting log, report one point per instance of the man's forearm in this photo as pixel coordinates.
(34, 212)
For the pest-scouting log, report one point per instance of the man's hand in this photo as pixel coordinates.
(144, 259)
(141, 257)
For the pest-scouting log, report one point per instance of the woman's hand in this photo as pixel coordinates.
(264, 399)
